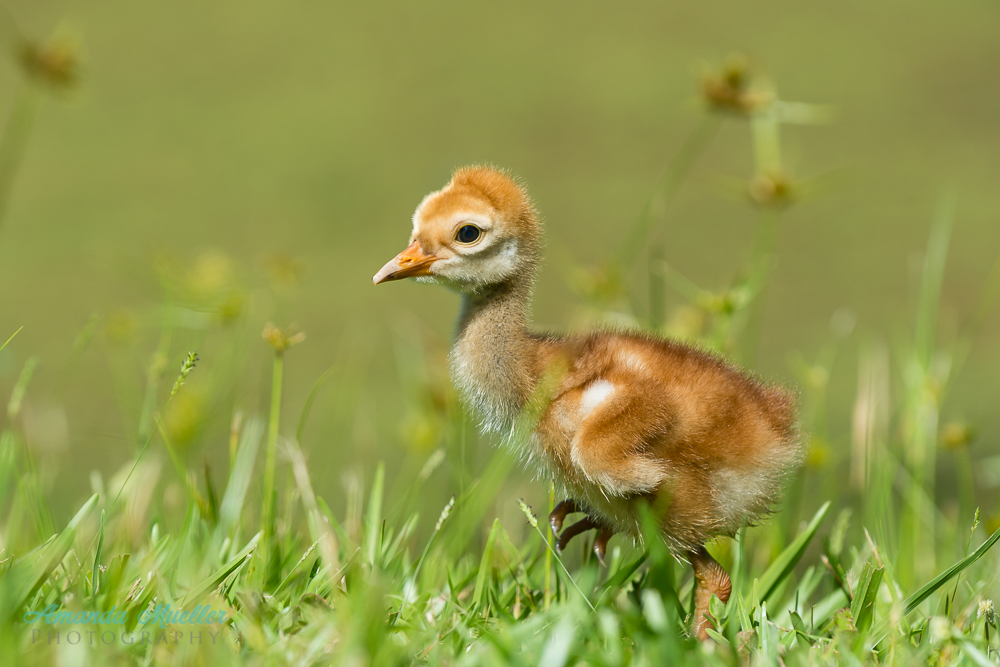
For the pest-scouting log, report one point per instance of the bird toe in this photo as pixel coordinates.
(601, 544)
(558, 515)
(580, 526)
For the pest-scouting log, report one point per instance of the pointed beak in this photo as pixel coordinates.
(410, 263)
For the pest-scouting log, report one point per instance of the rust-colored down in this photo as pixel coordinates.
(629, 417)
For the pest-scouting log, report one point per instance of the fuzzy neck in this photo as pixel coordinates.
(494, 360)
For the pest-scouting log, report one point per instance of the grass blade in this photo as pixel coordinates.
(557, 648)
(624, 573)
(787, 559)
(96, 572)
(239, 478)
(533, 520)
(977, 656)
(937, 582)
(486, 564)
(445, 513)
(220, 575)
(40, 570)
(373, 522)
(863, 606)
(10, 339)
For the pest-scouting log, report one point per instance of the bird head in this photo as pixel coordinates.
(479, 230)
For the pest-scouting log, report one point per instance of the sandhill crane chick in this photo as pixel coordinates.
(633, 417)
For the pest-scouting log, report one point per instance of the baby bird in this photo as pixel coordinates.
(619, 418)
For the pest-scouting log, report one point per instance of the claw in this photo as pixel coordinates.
(563, 537)
(601, 544)
(559, 515)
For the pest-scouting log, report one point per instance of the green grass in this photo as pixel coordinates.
(884, 572)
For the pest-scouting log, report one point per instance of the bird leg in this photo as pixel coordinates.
(710, 579)
(563, 537)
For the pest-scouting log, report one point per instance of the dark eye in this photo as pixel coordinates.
(468, 234)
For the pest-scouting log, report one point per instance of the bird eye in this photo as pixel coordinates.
(468, 234)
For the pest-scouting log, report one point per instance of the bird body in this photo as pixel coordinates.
(619, 418)
(633, 416)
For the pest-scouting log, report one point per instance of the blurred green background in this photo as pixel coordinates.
(265, 159)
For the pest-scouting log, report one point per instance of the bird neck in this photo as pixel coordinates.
(494, 360)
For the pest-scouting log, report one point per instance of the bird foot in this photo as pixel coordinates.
(563, 537)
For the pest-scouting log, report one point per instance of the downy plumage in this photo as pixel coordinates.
(619, 418)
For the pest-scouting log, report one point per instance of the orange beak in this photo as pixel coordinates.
(410, 263)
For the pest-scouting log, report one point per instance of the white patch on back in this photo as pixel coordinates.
(598, 392)
(632, 361)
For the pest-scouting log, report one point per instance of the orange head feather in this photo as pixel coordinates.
(478, 230)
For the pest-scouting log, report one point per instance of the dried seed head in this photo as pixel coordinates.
(730, 89)
(956, 435)
(282, 339)
(773, 188)
(55, 64)
(987, 611)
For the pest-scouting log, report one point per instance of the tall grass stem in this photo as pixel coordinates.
(15, 140)
(272, 451)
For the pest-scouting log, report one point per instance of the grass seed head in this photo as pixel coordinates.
(55, 64)
(282, 339)
(189, 363)
(730, 89)
(957, 435)
(532, 519)
(774, 188)
(445, 513)
(987, 611)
